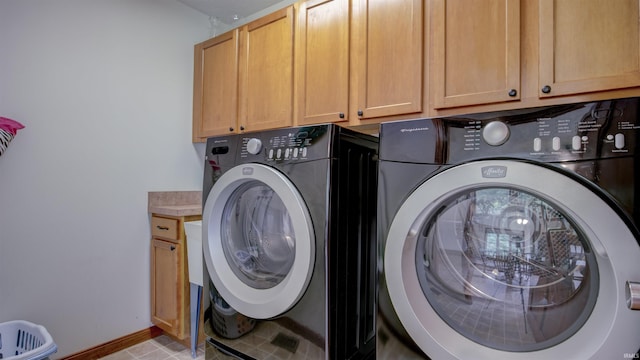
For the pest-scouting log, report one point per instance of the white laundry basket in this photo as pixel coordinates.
(22, 340)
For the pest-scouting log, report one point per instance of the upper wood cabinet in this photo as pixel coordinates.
(476, 52)
(388, 61)
(588, 46)
(215, 86)
(322, 61)
(266, 72)
(358, 60)
(243, 79)
(497, 54)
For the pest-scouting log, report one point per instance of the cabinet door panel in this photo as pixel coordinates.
(476, 52)
(588, 46)
(322, 61)
(388, 57)
(216, 86)
(165, 286)
(266, 72)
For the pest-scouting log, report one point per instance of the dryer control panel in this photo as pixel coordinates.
(583, 131)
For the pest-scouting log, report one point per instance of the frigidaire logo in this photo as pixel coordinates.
(494, 171)
(415, 129)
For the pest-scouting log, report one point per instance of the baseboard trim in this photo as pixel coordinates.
(116, 345)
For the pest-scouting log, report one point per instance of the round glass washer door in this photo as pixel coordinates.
(258, 241)
(506, 259)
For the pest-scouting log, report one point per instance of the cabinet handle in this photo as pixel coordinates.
(241, 128)
(172, 248)
(546, 89)
(360, 113)
(341, 115)
(162, 227)
(230, 129)
(513, 92)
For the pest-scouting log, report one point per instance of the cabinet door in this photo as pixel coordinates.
(588, 46)
(166, 284)
(322, 61)
(476, 52)
(387, 68)
(215, 91)
(266, 72)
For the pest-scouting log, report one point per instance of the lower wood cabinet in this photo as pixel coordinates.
(169, 276)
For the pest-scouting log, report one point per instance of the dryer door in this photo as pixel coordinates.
(506, 259)
(258, 240)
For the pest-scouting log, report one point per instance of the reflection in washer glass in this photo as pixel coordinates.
(506, 269)
(257, 235)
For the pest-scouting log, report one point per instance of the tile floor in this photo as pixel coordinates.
(158, 348)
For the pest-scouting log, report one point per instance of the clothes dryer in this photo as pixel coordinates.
(289, 238)
(511, 235)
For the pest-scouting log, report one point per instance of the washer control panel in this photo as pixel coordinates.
(293, 144)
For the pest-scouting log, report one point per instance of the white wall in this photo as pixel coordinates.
(219, 28)
(104, 88)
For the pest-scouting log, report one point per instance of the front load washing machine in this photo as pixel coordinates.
(289, 237)
(511, 235)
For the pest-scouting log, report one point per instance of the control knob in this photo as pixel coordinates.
(254, 146)
(495, 133)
